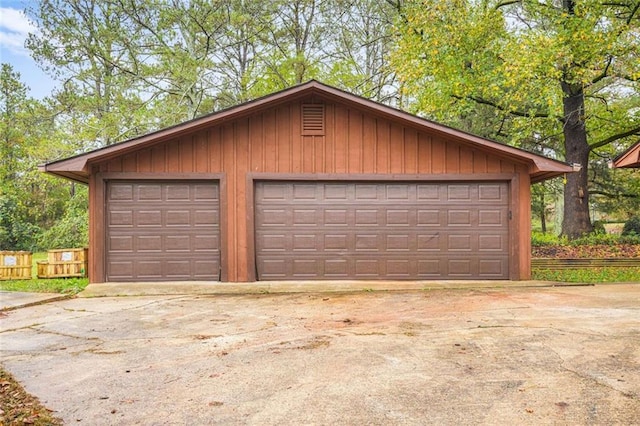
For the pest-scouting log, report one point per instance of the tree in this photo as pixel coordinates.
(91, 46)
(546, 70)
(30, 202)
(362, 36)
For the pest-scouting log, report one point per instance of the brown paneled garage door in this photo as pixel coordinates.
(162, 231)
(344, 230)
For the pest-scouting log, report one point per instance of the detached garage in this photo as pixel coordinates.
(310, 183)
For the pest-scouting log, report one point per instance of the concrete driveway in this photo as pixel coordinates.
(563, 355)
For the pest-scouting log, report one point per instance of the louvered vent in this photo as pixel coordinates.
(313, 119)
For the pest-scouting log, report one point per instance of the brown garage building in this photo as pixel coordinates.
(308, 183)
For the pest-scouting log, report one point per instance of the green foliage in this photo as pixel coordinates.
(559, 79)
(598, 227)
(539, 239)
(16, 232)
(30, 202)
(56, 285)
(596, 238)
(72, 229)
(589, 276)
(632, 227)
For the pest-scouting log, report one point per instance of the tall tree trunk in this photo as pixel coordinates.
(543, 212)
(576, 221)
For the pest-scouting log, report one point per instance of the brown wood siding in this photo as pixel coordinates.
(272, 142)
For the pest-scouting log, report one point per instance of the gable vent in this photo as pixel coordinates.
(313, 119)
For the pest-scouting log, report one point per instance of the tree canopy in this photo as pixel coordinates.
(556, 77)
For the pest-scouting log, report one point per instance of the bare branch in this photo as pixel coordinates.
(500, 107)
(604, 73)
(506, 3)
(611, 139)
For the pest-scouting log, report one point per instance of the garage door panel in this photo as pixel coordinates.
(206, 217)
(459, 193)
(327, 230)
(120, 218)
(147, 218)
(148, 268)
(121, 244)
(304, 242)
(120, 269)
(304, 217)
(395, 217)
(206, 192)
(399, 242)
(459, 218)
(428, 242)
(148, 243)
(459, 243)
(430, 268)
(149, 192)
(490, 268)
(336, 217)
(308, 268)
(492, 193)
(366, 268)
(179, 243)
(492, 243)
(336, 268)
(491, 218)
(162, 230)
(428, 217)
(428, 192)
(459, 268)
(336, 192)
(206, 243)
(120, 192)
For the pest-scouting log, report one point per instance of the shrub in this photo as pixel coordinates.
(598, 227)
(596, 239)
(632, 226)
(539, 239)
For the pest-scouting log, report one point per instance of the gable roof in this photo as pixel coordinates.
(77, 167)
(629, 158)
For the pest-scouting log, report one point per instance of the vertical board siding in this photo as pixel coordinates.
(396, 154)
(353, 135)
(382, 145)
(201, 153)
(272, 142)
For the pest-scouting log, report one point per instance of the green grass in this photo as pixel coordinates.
(52, 285)
(591, 276)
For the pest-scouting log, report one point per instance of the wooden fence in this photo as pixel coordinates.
(557, 264)
(64, 263)
(15, 265)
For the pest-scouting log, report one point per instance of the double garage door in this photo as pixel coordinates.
(170, 230)
(338, 230)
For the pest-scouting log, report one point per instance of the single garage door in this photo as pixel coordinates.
(343, 230)
(162, 230)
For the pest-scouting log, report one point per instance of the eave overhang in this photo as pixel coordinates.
(629, 158)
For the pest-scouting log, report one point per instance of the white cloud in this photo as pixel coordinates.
(14, 29)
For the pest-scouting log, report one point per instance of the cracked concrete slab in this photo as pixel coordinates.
(565, 355)
(17, 299)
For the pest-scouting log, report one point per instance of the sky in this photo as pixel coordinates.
(14, 28)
